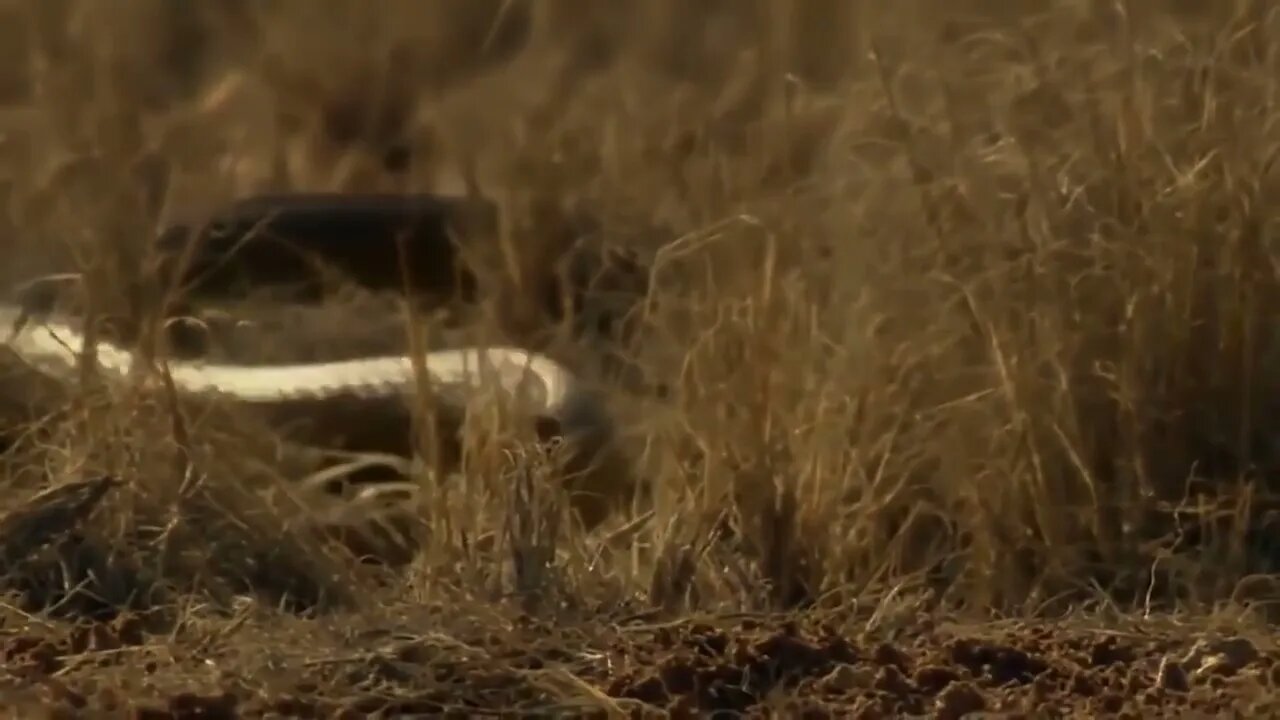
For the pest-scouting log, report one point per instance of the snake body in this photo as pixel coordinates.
(265, 240)
(540, 388)
(377, 242)
(380, 242)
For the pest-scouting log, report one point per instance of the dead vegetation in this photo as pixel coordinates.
(956, 313)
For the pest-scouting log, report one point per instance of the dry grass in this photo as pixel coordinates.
(958, 310)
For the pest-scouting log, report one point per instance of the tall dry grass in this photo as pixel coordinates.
(952, 301)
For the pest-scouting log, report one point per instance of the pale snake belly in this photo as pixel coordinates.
(540, 389)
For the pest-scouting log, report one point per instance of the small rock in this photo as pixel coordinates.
(891, 680)
(846, 678)
(1221, 657)
(1219, 666)
(959, 699)
(935, 678)
(887, 654)
(1172, 676)
(1273, 676)
(1110, 703)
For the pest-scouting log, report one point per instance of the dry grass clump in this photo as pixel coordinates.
(945, 299)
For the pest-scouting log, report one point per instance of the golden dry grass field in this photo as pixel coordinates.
(964, 313)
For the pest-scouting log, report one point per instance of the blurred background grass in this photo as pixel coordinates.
(964, 300)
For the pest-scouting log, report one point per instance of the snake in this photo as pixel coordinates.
(359, 234)
(559, 403)
(425, 244)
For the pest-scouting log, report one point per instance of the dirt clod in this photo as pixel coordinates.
(958, 700)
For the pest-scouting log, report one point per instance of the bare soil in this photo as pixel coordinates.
(803, 664)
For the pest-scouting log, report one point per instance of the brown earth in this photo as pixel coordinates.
(804, 665)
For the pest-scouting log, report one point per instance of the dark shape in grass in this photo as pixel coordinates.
(290, 242)
(49, 516)
(274, 241)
